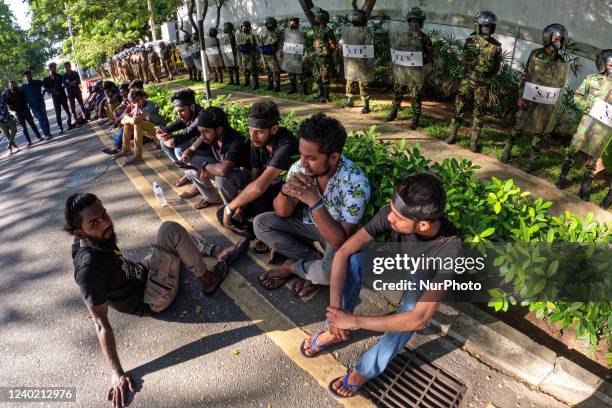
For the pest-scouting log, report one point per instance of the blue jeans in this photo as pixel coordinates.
(175, 153)
(43, 121)
(118, 137)
(374, 361)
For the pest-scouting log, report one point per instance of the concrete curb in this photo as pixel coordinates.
(509, 350)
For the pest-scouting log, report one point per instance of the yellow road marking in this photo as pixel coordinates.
(277, 326)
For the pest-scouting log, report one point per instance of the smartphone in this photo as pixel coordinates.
(184, 166)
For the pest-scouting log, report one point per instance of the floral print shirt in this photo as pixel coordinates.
(346, 194)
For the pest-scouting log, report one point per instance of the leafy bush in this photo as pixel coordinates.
(483, 210)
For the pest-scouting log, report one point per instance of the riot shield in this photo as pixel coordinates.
(227, 51)
(406, 54)
(212, 52)
(595, 129)
(358, 53)
(185, 54)
(543, 92)
(293, 51)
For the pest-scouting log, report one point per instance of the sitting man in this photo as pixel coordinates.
(323, 200)
(180, 135)
(230, 161)
(106, 278)
(272, 151)
(112, 100)
(118, 113)
(141, 120)
(415, 215)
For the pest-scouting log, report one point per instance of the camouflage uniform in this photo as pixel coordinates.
(482, 57)
(270, 42)
(524, 114)
(153, 65)
(592, 136)
(247, 47)
(324, 46)
(415, 93)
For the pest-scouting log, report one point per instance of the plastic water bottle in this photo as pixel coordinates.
(159, 194)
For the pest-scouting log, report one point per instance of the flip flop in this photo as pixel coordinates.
(313, 345)
(261, 248)
(189, 193)
(296, 292)
(241, 249)
(345, 384)
(278, 281)
(203, 203)
(181, 181)
(223, 269)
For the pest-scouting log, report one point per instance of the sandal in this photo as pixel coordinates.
(303, 283)
(204, 203)
(190, 192)
(346, 385)
(222, 269)
(277, 281)
(181, 181)
(261, 248)
(240, 250)
(313, 346)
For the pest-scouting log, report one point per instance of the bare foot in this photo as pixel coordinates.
(354, 378)
(276, 277)
(325, 339)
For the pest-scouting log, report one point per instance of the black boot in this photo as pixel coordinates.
(326, 93)
(304, 88)
(277, 85)
(585, 188)
(349, 102)
(607, 201)
(415, 121)
(452, 138)
(505, 156)
(270, 83)
(255, 81)
(366, 106)
(293, 84)
(562, 182)
(393, 114)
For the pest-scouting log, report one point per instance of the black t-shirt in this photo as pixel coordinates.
(55, 86)
(17, 101)
(73, 90)
(105, 276)
(184, 131)
(236, 148)
(285, 146)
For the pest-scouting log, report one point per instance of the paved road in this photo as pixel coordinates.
(240, 350)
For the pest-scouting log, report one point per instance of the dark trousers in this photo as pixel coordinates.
(79, 98)
(26, 116)
(60, 102)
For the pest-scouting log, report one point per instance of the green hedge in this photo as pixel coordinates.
(483, 210)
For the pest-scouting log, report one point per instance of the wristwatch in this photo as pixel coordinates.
(228, 210)
(204, 165)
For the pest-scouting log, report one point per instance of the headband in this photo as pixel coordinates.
(207, 120)
(403, 209)
(261, 123)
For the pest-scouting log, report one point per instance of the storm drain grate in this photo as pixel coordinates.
(85, 175)
(411, 381)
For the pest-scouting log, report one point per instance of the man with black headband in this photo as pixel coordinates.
(229, 165)
(415, 215)
(178, 136)
(323, 200)
(272, 149)
(106, 278)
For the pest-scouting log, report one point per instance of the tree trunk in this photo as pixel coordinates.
(368, 6)
(306, 6)
(219, 4)
(190, 9)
